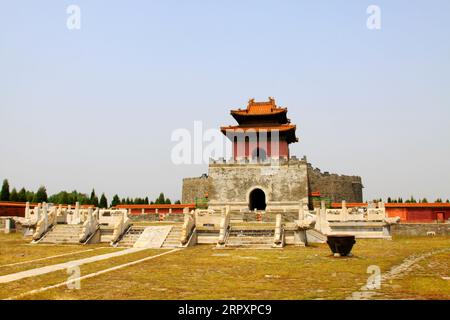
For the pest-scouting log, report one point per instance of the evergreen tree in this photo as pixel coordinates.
(103, 201)
(30, 196)
(448, 201)
(438, 200)
(168, 201)
(146, 200)
(151, 202)
(178, 202)
(93, 199)
(22, 195)
(115, 201)
(389, 200)
(4, 195)
(424, 200)
(161, 199)
(14, 197)
(64, 198)
(41, 195)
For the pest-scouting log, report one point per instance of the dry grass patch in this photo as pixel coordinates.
(202, 272)
(428, 279)
(15, 288)
(15, 248)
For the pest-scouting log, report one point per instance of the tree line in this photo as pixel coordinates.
(414, 200)
(65, 197)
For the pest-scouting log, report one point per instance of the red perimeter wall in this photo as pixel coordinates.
(16, 209)
(412, 212)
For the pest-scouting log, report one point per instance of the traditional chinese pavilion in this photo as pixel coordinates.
(263, 131)
(262, 174)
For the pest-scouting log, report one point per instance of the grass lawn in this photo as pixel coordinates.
(428, 279)
(202, 272)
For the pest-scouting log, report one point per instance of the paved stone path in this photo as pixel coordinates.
(395, 272)
(65, 283)
(46, 258)
(61, 266)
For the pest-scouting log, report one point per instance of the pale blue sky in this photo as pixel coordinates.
(96, 107)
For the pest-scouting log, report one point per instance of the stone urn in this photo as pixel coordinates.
(341, 245)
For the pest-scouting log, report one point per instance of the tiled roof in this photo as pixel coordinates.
(280, 128)
(260, 108)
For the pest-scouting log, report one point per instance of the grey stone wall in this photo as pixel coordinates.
(420, 229)
(195, 188)
(232, 182)
(334, 186)
(287, 183)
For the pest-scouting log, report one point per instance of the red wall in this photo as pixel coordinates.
(246, 149)
(12, 209)
(411, 212)
(136, 209)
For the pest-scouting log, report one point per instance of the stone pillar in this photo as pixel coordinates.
(301, 212)
(38, 212)
(344, 211)
(89, 214)
(323, 212)
(27, 211)
(76, 214)
(45, 212)
(8, 225)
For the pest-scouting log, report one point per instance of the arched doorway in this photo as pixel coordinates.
(259, 154)
(257, 200)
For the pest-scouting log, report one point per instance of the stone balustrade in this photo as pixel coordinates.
(188, 226)
(224, 223)
(90, 225)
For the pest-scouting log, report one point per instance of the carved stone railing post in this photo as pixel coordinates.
(38, 212)
(344, 211)
(277, 241)
(42, 224)
(90, 225)
(224, 223)
(27, 211)
(76, 215)
(122, 224)
(188, 226)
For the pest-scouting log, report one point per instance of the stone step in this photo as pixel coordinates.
(249, 246)
(230, 241)
(63, 234)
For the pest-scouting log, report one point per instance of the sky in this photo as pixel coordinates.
(96, 107)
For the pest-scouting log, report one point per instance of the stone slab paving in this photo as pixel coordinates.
(153, 237)
(61, 266)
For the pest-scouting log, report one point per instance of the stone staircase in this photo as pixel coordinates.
(106, 234)
(63, 234)
(131, 236)
(173, 238)
(254, 236)
(314, 236)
